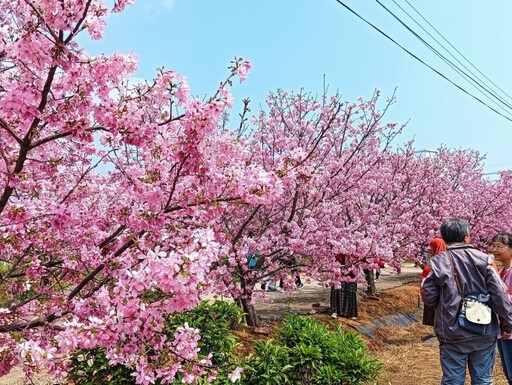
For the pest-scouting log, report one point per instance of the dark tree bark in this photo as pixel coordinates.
(250, 315)
(369, 275)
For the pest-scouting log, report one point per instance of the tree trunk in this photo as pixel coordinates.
(369, 275)
(250, 316)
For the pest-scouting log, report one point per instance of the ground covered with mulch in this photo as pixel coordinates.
(407, 359)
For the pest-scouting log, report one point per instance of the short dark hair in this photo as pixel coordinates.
(454, 230)
(504, 238)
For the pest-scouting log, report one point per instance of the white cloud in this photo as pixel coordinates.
(152, 9)
(168, 4)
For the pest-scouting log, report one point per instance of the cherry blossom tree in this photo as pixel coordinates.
(121, 203)
(109, 193)
(418, 193)
(324, 151)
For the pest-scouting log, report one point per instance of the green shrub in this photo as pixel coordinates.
(308, 353)
(304, 352)
(268, 365)
(298, 330)
(91, 367)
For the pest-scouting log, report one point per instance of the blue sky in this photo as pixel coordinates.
(295, 43)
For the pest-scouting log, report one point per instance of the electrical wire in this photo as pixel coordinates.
(460, 53)
(451, 45)
(456, 50)
(493, 97)
(421, 61)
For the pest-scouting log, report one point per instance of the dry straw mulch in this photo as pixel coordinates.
(394, 301)
(407, 361)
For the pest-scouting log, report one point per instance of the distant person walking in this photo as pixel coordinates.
(464, 264)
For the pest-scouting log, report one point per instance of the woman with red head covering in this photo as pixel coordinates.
(436, 245)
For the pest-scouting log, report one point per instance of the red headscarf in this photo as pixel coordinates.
(437, 245)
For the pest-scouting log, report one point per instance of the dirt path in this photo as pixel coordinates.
(16, 377)
(301, 301)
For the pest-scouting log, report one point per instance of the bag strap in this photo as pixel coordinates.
(454, 271)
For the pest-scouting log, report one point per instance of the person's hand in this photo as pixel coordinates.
(506, 335)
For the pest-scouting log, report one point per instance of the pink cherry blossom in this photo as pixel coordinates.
(235, 375)
(242, 68)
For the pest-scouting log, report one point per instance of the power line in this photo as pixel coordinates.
(450, 63)
(456, 50)
(421, 61)
(451, 45)
(492, 173)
